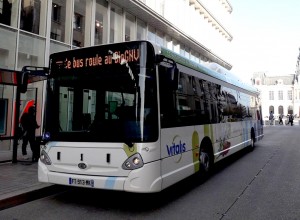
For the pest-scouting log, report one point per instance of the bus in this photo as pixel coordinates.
(137, 117)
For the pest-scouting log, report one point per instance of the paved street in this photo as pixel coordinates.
(263, 184)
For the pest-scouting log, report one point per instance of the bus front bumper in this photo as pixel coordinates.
(144, 180)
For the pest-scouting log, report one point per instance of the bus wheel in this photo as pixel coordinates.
(206, 160)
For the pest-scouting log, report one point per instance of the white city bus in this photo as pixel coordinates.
(136, 117)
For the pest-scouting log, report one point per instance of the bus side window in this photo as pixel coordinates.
(185, 101)
(167, 98)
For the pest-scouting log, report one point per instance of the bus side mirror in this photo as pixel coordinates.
(24, 82)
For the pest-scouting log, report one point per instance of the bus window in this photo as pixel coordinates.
(167, 98)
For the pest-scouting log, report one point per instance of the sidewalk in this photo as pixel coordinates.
(19, 184)
(276, 122)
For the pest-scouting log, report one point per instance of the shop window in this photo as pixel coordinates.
(3, 115)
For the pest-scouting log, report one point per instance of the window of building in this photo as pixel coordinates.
(33, 16)
(8, 12)
(31, 51)
(101, 22)
(7, 48)
(159, 38)
(116, 27)
(290, 95)
(129, 27)
(280, 110)
(79, 23)
(271, 109)
(169, 43)
(141, 30)
(290, 110)
(271, 95)
(195, 56)
(182, 51)
(151, 33)
(280, 95)
(176, 46)
(187, 52)
(56, 32)
(257, 81)
(61, 21)
(56, 10)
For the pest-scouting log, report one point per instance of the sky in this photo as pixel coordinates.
(266, 37)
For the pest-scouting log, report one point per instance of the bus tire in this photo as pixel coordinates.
(206, 158)
(252, 144)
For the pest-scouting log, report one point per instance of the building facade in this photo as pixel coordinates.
(31, 30)
(279, 94)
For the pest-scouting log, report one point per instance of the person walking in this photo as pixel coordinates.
(291, 119)
(280, 119)
(271, 117)
(29, 125)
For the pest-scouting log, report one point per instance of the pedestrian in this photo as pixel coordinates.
(280, 119)
(271, 117)
(291, 119)
(29, 125)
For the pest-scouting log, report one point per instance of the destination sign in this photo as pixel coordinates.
(116, 57)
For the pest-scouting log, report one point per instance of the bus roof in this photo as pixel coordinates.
(223, 75)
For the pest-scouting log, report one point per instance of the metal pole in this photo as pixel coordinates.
(16, 126)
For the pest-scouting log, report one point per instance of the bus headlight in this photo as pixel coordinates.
(133, 162)
(45, 158)
(46, 137)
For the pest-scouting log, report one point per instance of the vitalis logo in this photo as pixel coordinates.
(175, 148)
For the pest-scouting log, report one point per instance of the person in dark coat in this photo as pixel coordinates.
(291, 119)
(29, 125)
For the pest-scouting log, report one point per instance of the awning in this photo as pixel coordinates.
(13, 78)
(9, 77)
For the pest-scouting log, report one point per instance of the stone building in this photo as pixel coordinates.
(279, 94)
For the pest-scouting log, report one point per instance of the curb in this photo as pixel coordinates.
(30, 196)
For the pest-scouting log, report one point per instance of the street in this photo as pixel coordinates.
(263, 184)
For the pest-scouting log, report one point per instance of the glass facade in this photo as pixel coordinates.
(73, 24)
(31, 30)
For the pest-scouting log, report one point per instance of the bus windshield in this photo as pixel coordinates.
(105, 94)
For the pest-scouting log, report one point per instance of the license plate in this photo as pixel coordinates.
(81, 182)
